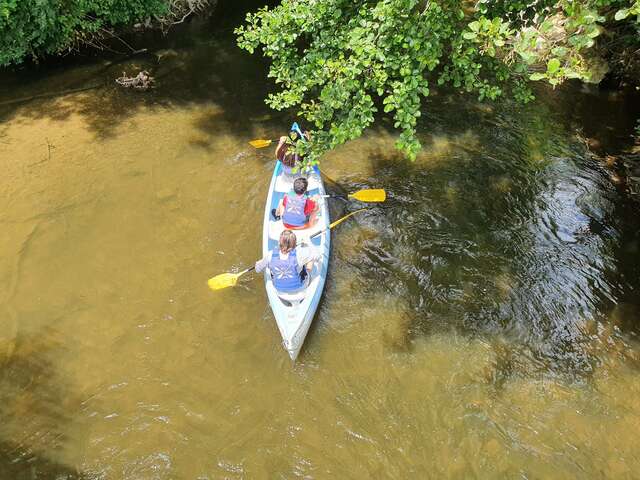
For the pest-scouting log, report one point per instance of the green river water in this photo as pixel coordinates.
(482, 323)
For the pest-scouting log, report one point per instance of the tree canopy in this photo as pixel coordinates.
(341, 63)
(32, 28)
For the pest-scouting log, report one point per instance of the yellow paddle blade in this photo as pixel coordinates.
(224, 280)
(370, 195)
(260, 143)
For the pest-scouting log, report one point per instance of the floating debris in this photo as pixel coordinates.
(142, 81)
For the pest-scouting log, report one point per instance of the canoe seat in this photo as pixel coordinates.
(292, 298)
(284, 183)
(276, 228)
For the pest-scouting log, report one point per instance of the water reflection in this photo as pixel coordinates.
(529, 257)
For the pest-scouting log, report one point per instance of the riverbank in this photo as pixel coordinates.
(33, 32)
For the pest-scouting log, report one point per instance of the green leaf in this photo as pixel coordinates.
(553, 65)
(537, 76)
(469, 35)
(594, 32)
(546, 26)
(621, 14)
(559, 51)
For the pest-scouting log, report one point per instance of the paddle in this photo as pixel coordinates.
(337, 222)
(369, 195)
(225, 280)
(261, 143)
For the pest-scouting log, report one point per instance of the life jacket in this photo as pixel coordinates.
(285, 272)
(294, 210)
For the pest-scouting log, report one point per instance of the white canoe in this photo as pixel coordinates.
(294, 312)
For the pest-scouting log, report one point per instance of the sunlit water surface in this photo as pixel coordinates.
(481, 323)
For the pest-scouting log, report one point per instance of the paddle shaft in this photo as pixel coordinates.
(336, 223)
(338, 196)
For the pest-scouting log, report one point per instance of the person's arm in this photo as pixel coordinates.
(310, 206)
(281, 204)
(278, 153)
(306, 257)
(262, 263)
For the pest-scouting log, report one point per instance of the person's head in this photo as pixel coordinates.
(287, 241)
(300, 185)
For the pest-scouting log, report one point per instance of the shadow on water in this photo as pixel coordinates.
(605, 118)
(198, 65)
(37, 408)
(17, 463)
(503, 233)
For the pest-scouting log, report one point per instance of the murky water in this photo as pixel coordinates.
(481, 323)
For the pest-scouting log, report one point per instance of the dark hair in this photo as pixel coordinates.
(300, 185)
(286, 156)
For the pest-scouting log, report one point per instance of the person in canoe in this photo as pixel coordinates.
(285, 149)
(296, 209)
(288, 264)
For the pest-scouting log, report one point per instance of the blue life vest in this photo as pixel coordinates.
(294, 210)
(285, 272)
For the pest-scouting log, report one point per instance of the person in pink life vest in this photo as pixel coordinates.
(296, 209)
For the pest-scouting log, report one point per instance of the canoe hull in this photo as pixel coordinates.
(294, 313)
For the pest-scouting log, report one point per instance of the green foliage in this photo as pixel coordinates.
(624, 13)
(343, 63)
(30, 28)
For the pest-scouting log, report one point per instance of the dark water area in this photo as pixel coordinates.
(481, 323)
(538, 225)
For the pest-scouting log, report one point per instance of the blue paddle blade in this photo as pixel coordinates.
(296, 128)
